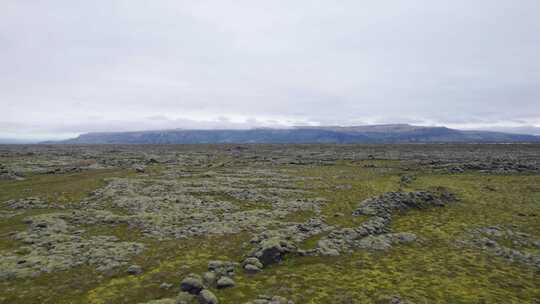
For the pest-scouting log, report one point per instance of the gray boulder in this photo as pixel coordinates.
(273, 250)
(207, 297)
(192, 284)
(161, 301)
(209, 278)
(252, 265)
(222, 268)
(225, 282)
(326, 248)
(252, 261)
(252, 269)
(134, 270)
(185, 298)
(165, 285)
(265, 299)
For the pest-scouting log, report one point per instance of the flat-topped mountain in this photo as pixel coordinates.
(391, 133)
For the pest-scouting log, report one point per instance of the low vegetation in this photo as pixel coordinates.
(286, 224)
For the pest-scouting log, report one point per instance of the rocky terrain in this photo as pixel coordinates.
(270, 223)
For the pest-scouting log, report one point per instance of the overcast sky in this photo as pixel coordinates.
(68, 67)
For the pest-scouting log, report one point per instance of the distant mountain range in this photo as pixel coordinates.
(393, 133)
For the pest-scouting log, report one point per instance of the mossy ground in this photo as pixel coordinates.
(432, 270)
(60, 188)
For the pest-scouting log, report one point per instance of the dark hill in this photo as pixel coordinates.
(399, 133)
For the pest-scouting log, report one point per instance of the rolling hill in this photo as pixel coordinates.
(392, 133)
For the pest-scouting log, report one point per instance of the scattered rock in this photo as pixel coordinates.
(402, 201)
(456, 170)
(134, 270)
(406, 179)
(374, 233)
(185, 298)
(265, 299)
(7, 174)
(225, 282)
(325, 248)
(162, 301)
(209, 278)
(252, 269)
(385, 241)
(30, 203)
(392, 300)
(152, 161)
(490, 239)
(252, 265)
(273, 250)
(139, 168)
(492, 166)
(51, 244)
(192, 284)
(222, 268)
(207, 297)
(165, 285)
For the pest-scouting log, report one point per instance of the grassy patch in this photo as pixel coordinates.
(431, 270)
(345, 185)
(62, 188)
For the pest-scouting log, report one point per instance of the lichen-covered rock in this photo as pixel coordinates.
(8, 174)
(374, 225)
(325, 248)
(389, 202)
(273, 250)
(29, 203)
(265, 299)
(374, 233)
(165, 285)
(506, 243)
(139, 168)
(385, 241)
(207, 297)
(134, 270)
(51, 244)
(209, 278)
(186, 298)
(225, 282)
(252, 269)
(222, 268)
(392, 300)
(192, 284)
(252, 261)
(162, 301)
(252, 265)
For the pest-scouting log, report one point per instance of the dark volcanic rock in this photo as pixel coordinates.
(225, 282)
(273, 250)
(192, 284)
(207, 297)
(134, 270)
(252, 265)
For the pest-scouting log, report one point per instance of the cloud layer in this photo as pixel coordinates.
(76, 66)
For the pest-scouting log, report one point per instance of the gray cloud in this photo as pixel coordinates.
(69, 67)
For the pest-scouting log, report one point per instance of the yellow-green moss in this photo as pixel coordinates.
(431, 270)
(60, 188)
